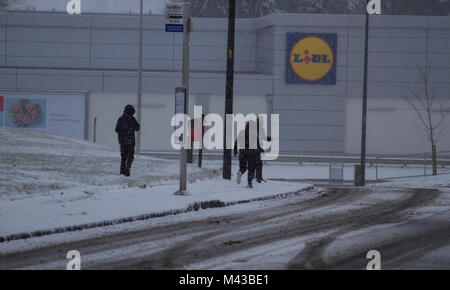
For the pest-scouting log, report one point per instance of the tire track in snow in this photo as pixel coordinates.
(312, 256)
(335, 213)
(234, 239)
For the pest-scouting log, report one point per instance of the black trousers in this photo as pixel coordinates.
(248, 161)
(127, 157)
(259, 166)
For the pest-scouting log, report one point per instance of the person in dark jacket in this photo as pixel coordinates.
(259, 164)
(247, 156)
(125, 128)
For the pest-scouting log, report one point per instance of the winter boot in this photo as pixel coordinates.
(250, 185)
(238, 177)
(123, 166)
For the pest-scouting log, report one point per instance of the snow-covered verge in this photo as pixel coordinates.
(437, 181)
(53, 184)
(75, 210)
(138, 225)
(314, 170)
(35, 163)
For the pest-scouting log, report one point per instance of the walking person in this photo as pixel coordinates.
(125, 128)
(261, 133)
(247, 155)
(259, 165)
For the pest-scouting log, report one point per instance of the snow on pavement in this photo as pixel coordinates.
(75, 207)
(49, 181)
(315, 170)
(35, 163)
(52, 240)
(442, 180)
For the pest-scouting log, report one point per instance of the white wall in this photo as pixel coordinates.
(157, 111)
(392, 128)
(107, 108)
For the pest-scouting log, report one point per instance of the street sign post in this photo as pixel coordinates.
(139, 88)
(174, 17)
(178, 16)
(229, 88)
(180, 108)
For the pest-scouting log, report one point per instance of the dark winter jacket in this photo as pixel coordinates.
(259, 134)
(245, 135)
(125, 128)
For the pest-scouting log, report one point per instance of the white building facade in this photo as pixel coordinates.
(320, 111)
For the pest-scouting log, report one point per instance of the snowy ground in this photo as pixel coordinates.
(439, 181)
(310, 171)
(317, 229)
(36, 163)
(89, 209)
(51, 182)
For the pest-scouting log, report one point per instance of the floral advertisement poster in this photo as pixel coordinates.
(26, 113)
(53, 112)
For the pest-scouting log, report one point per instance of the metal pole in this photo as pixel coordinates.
(185, 84)
(329, 173)
(95, 130)
(434, 159)
(139, 95)
(362, 181)
(200, 151)
(425, 164)
(229, 88)
(376, 169)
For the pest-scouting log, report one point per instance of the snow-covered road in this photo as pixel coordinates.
(327, 228)
(49, 183)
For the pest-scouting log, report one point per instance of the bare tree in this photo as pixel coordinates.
(417, 7)
(430, 110)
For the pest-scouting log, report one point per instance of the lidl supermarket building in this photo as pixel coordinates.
(306, 68)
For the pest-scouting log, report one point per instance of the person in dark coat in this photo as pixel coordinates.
(259, 163)
(125, 128)
(247, 156)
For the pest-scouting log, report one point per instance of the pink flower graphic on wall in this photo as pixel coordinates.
(25, 113)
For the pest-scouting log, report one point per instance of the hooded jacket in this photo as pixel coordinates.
(245, 135)
(126, 126)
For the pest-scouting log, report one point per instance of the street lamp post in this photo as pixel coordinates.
(139, 89)
(362, 180)
(229, 89)
(185, 85)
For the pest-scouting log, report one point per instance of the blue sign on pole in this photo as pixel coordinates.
(180, 100)
(174, 27)
(180, 108)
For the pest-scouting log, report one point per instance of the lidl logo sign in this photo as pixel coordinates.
(311, 58)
